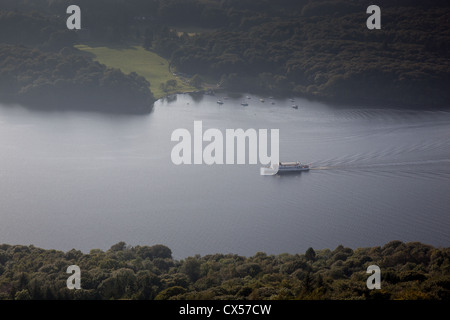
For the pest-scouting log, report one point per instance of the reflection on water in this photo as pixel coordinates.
(86, 180)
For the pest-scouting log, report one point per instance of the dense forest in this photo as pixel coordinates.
(324, 50)
(40, 68)
(408, 271)
(318, 49)
(56, 81)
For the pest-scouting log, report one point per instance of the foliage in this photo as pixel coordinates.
(408, 271)
(323, 50)
(44, 80)
(319, 49)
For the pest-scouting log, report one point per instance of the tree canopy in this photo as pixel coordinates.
(63, 80)
(408, 271)
(319, 49)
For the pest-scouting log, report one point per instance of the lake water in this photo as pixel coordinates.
(86, 180)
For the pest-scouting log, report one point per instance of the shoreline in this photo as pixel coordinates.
(376, 104)
(407, 271)
(256, 253)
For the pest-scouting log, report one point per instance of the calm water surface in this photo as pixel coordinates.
(85, 180)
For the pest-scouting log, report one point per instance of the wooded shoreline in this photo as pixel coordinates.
(318, 50)
(408, 271)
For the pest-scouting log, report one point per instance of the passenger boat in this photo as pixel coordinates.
(292, 166)
(284, 167)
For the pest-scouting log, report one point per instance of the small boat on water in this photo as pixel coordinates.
(244, 103)
(292, 166)
(284, 167)
(295, 106)
(220, 102)
(262, 100)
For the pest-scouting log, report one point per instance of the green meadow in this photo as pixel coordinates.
(145, 63)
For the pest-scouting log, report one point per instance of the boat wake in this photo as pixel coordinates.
(405, 164)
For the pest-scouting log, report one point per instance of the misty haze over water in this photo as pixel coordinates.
(89, 180)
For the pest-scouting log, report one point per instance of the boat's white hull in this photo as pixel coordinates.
(277, 169)
(294, 169)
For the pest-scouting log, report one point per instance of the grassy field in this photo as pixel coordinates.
(145, 63)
